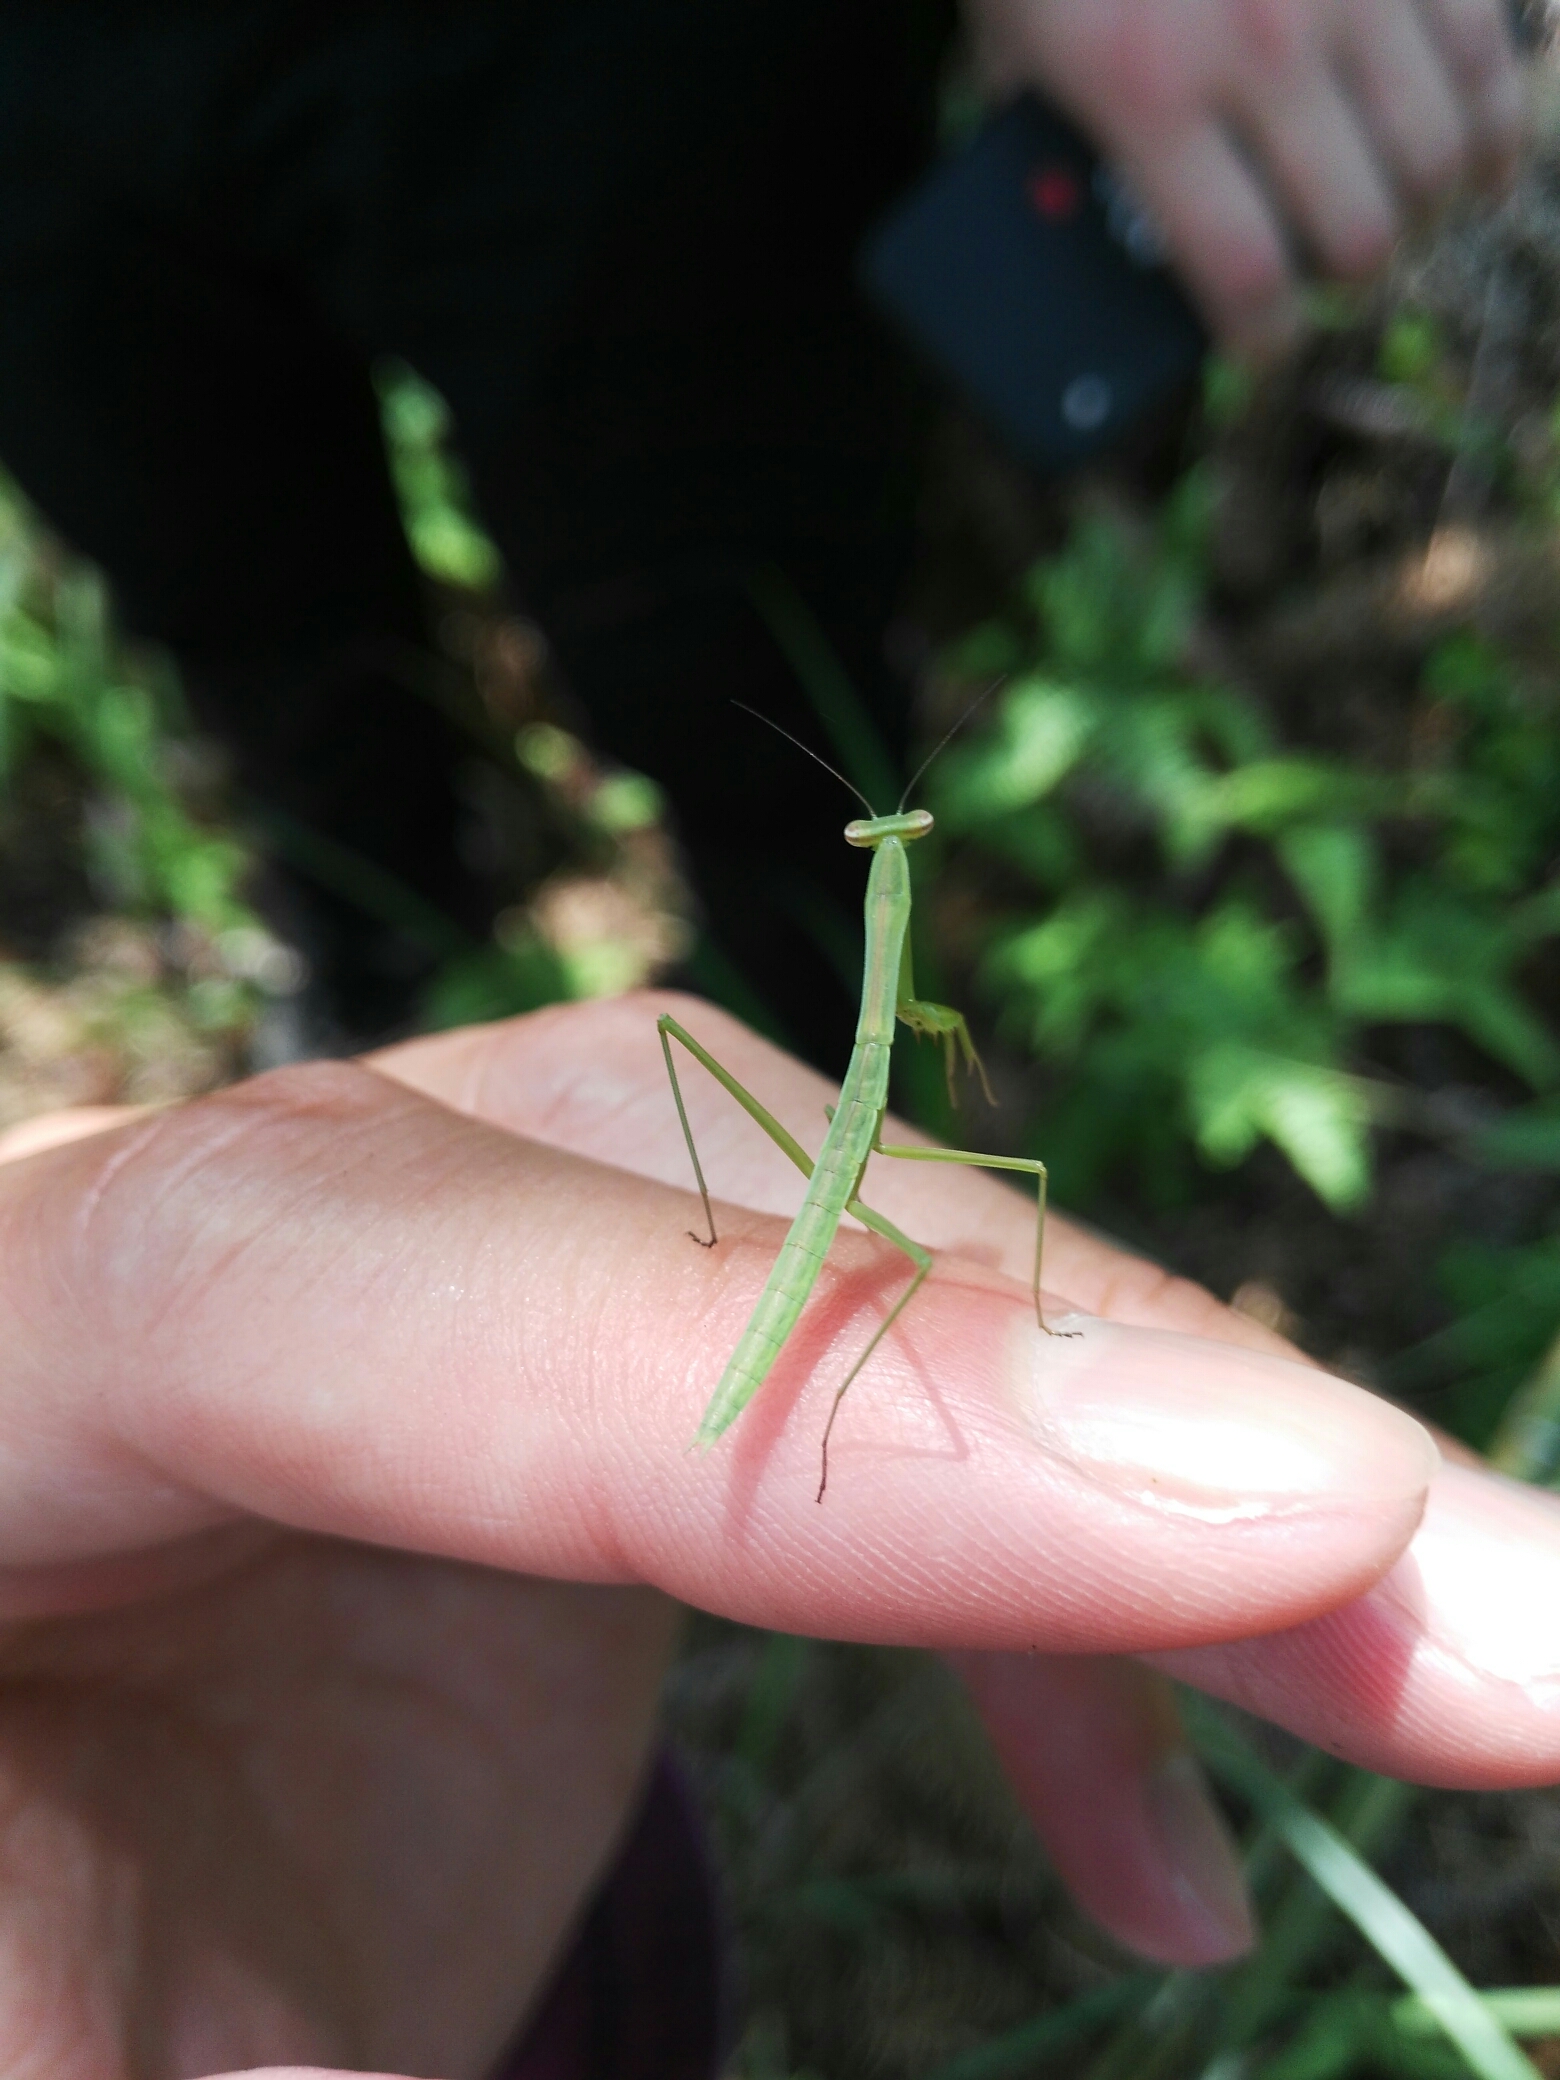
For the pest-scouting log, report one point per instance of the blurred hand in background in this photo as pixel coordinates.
(1272, 136)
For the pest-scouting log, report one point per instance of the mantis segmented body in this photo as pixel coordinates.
(855, 1135)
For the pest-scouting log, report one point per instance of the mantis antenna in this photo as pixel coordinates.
(947, 738)
(813, 755)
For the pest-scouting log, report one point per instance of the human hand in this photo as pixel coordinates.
(1255, 128)
(324, 1308)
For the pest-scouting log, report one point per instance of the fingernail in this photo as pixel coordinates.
(1201, 1857)
(1212, 1429)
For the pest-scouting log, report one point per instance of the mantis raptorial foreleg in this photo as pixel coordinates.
(942, 1023)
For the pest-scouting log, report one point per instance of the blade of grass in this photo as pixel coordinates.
(1397, 1936)
(1527, 2011)
(1367, 1814)
(1349, 2032)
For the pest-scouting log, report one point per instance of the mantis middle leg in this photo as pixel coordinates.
(1030, 1165)
(922, 1257)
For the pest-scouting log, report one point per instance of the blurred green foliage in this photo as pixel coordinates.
(611, 928)
(64, 677)
(191, 966)
(430, 483)
(1201, 929)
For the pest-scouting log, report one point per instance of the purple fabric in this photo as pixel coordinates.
(641, 1995)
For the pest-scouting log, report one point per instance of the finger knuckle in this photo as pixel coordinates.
(1362, 246)
(1136, 75)
(166, 1201)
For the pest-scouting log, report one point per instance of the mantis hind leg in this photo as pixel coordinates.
(922, 1260)
(1031, 1166)
(921, 1257)
(670, 1030)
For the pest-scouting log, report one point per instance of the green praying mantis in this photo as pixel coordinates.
(855, 1131)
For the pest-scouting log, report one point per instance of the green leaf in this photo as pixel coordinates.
(449, 546)
(1335, 867)
(436, 512)
(1040, 841)
(1040, 732)
(1411, 348)
(1063, 965)
(492, 982)
(1465, 668)
(1269, 794)
(1445, 957)
(1319, 1117)
(624, 802)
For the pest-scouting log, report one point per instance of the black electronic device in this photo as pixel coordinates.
(1024, 270)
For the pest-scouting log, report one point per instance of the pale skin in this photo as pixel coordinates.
(1266, 133)
(276, 1572)
(368, 1392)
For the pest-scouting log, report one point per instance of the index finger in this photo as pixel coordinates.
(1448, 1670)
(588, 1078)
(327, 1301)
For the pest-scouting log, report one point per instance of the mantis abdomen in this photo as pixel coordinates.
(795, 1270)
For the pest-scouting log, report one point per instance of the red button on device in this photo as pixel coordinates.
(1055, 192)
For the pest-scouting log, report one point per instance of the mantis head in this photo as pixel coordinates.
(870, 831)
